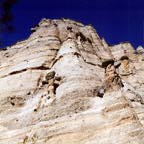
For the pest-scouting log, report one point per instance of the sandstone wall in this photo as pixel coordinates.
(64, 85)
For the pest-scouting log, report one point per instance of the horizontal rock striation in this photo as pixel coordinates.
(65, 85)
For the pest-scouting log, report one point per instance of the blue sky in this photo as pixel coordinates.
(115, 20)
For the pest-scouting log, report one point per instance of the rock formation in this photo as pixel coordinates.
(65, 85)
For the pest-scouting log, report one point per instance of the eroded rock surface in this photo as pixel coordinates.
(64, 85)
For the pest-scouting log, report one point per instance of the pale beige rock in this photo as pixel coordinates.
(64, 85)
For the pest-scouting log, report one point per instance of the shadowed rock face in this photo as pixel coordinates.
(64, 85)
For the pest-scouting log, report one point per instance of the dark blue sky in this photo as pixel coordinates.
(115, 20)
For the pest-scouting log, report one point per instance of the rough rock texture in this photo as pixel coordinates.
(65, 85)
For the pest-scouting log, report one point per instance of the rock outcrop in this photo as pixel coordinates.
(65, 85)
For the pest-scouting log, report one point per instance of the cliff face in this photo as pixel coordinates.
(65, 85)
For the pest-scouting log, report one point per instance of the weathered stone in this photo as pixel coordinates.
(64, 85)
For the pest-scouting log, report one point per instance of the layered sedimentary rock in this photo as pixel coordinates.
(65, 85)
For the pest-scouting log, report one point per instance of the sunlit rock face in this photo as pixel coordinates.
(64, 85)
